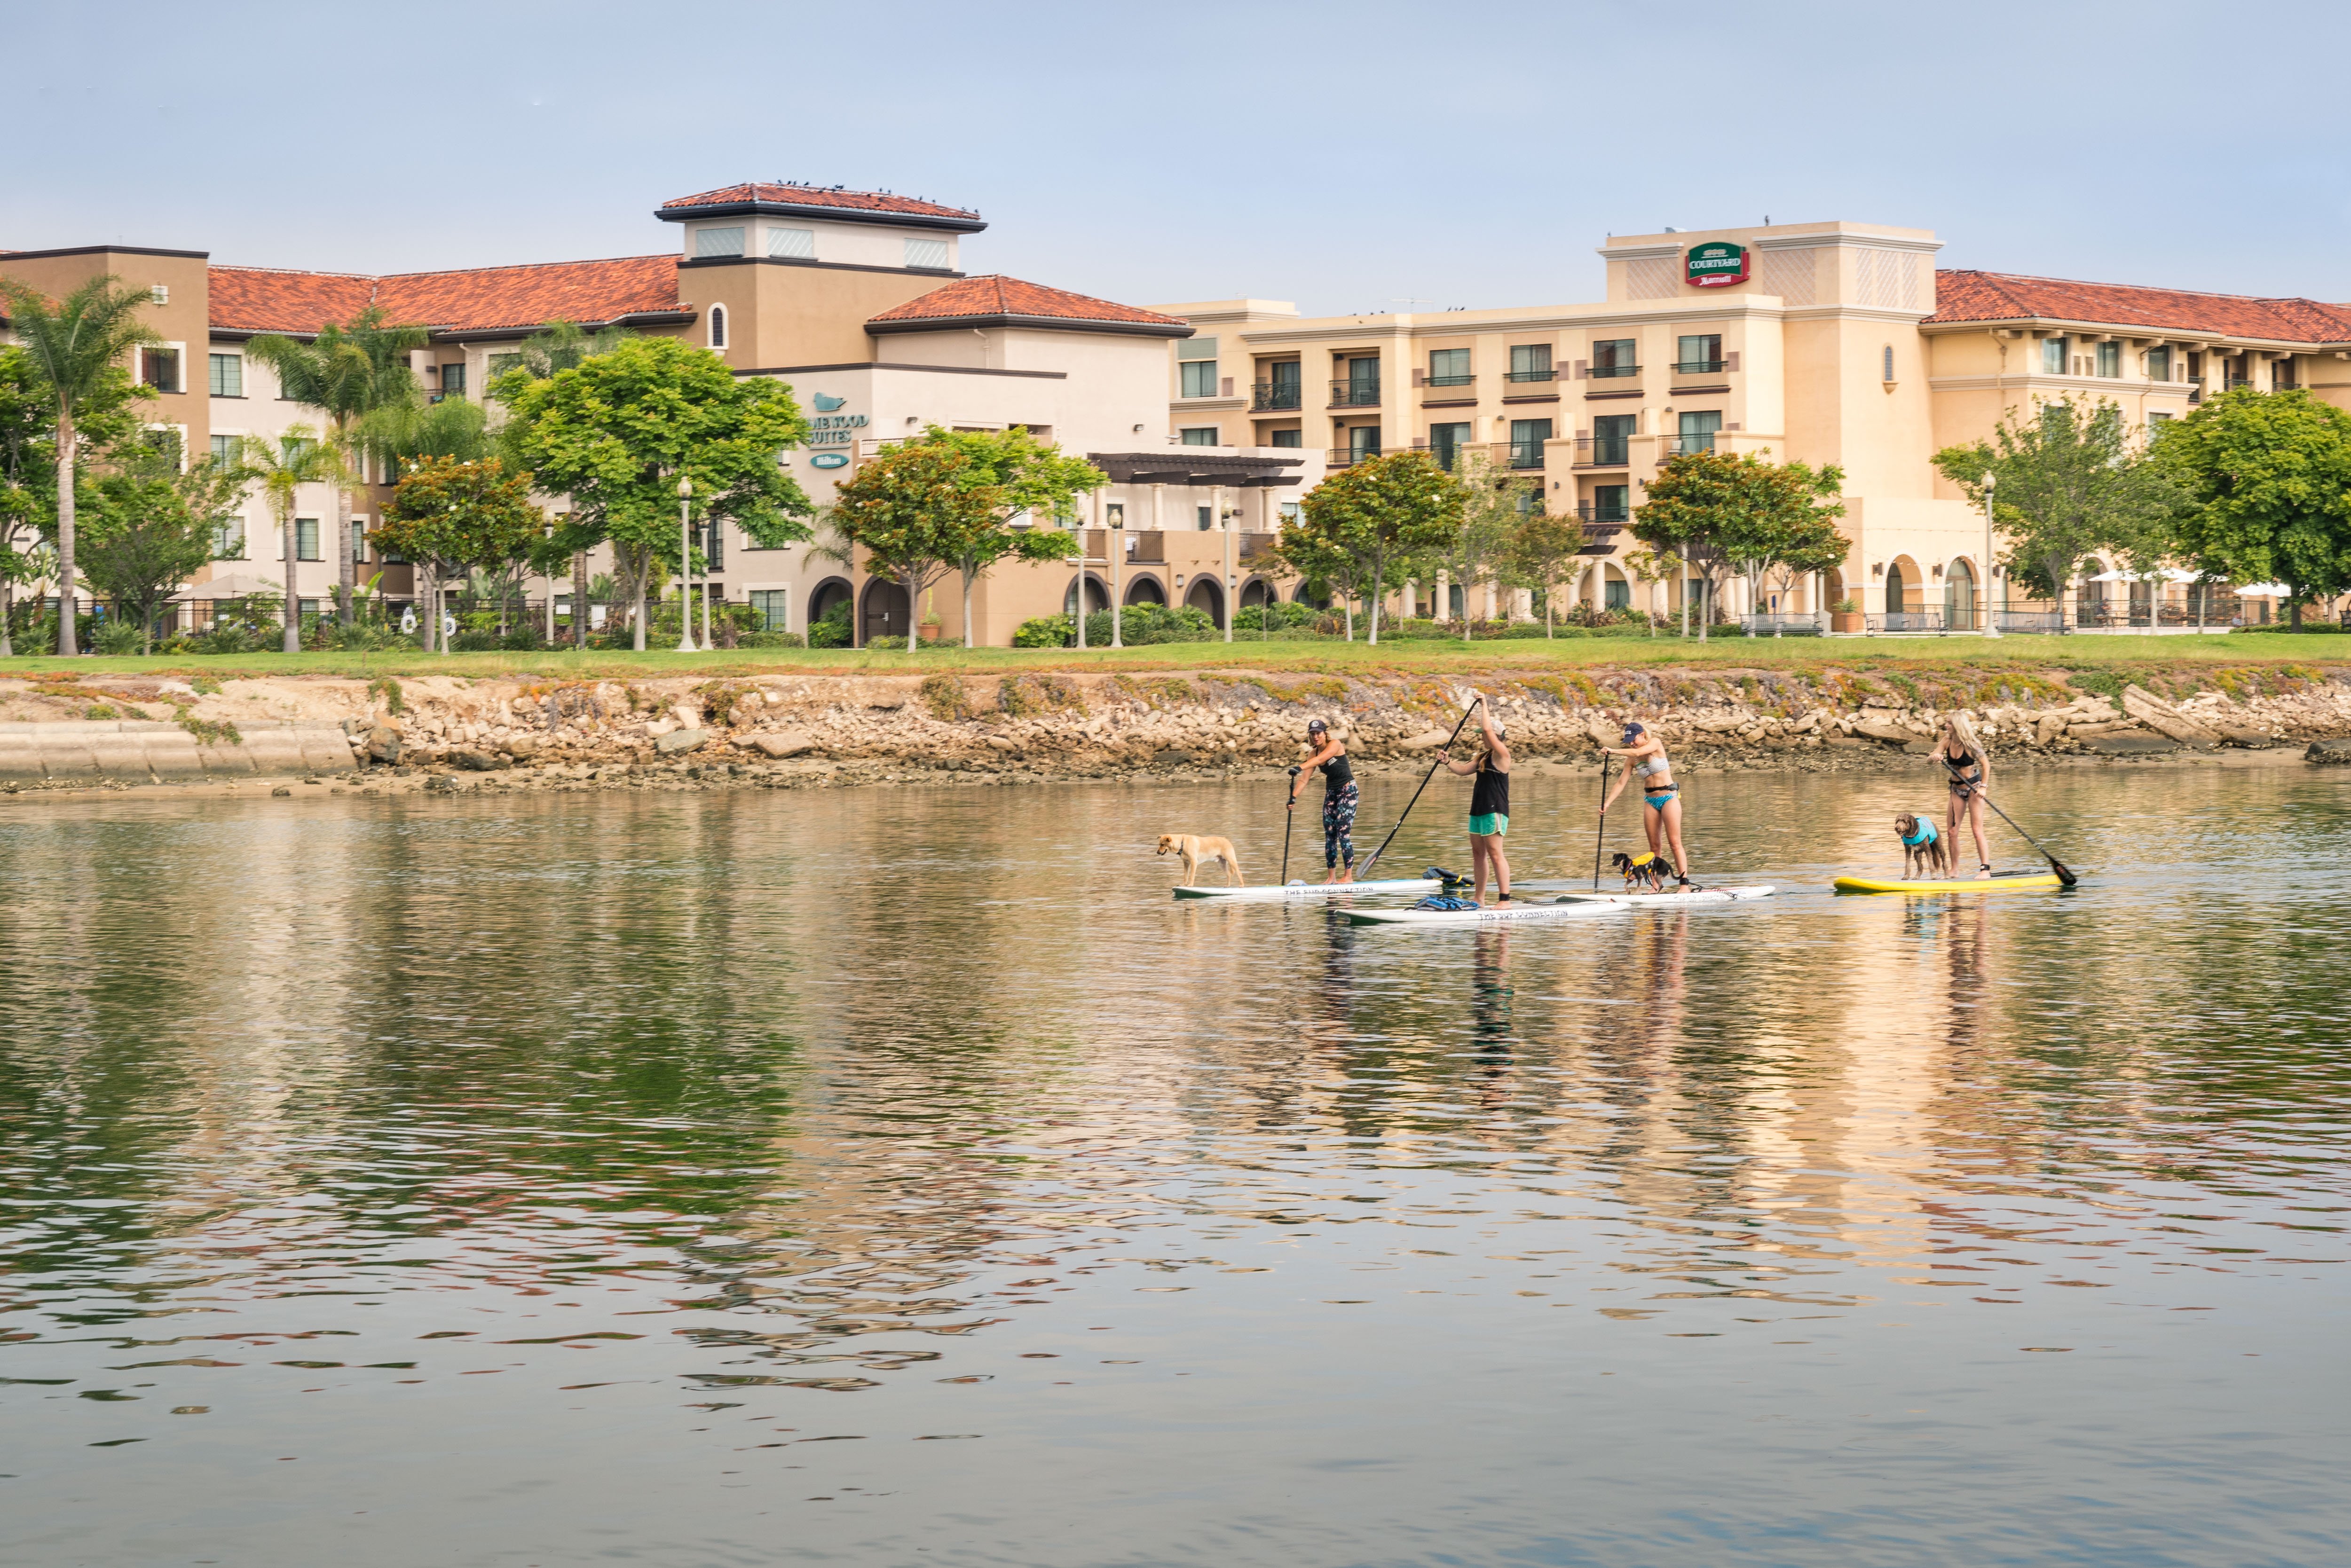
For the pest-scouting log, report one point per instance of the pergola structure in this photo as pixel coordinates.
(1193, 468)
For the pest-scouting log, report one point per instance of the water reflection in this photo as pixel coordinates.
(899, 1175)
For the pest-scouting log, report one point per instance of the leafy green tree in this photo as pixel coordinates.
(28, 479)
(556, 346)
(1728, 513)
(1311, 558)
(346, 372)
(281, 466)
(1030, 477)
(76, 347)
(2269, 474)
(1381, 514)
(2068, 486)
(147, 526)
(1651, 567)
(1546, 554)
(615, 432)
(1495, 505)
(916, 509)
(454, 519)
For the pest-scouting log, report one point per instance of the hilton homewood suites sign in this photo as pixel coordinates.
(829, 428)
(1716, 266)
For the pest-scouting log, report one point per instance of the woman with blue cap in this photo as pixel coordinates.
(1661, 806)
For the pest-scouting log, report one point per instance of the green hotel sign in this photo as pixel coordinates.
(1716, 266)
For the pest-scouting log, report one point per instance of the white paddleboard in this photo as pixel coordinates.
(1306, 891)
(1574, 906)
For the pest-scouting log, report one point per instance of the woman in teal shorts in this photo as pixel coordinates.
(1661, 806)
(1490, 806)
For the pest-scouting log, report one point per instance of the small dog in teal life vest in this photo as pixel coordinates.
(1923, 847)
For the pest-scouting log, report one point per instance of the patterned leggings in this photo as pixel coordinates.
(1339, 825)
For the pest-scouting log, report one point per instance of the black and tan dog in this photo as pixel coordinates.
(1923, 847)
(1646, 867)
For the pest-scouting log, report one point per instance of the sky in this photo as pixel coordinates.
(1362, 157)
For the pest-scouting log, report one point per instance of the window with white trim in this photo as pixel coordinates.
(713, 242)
(792, 244)
(932, 253)
(773, 607)
(305, 539)
(225, 450)
(1200, 436)
(2053, 356)
(2110, 359)
(228, 540)
(225, 376)
(1195, 368)
(159, 369)
(2158, 364)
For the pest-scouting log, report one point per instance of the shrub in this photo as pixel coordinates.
(773, 640)
(831, 630)
(383, 686)
(120, 639)
(1045, 631)
(364, 637)
(522, 638)
(880, 642)
(472, 640)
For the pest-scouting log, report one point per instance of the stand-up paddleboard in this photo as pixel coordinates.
(1304, 892)
(1995, 883)
(1575, 906)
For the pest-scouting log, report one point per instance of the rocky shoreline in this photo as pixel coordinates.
(786, 731)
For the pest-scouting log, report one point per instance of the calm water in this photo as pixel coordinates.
(898, 1176)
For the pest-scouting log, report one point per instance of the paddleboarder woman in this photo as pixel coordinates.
(1968, 766)
(1661, 805)
(1490, 806)
(1340, 798)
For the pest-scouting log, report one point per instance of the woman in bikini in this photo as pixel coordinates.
(1340, 798)
(1967, 767)
(1490, 806)
(1661, 814)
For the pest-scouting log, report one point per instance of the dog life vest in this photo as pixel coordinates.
(1926, 835)
(1645, 861)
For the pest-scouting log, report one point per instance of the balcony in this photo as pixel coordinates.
(1602, 451)
(1676, 445)
(1521, 454)
(1272, 397)
(1699, 367)
(1357, 391)
(1347, 457)
(1542, 375)
(1618, 372)
(1146, 545)
(1611, 517)
(2195, 388)
(1450, 381)
(1256, 549)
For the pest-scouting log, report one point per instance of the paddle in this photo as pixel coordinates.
(2065, 874)
(1600, 828)
(1364, 873)
(1288, 815)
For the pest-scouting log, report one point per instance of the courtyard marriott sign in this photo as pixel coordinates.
(1716, 266)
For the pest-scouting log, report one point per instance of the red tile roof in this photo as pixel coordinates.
(2006, 296)
(470, 299)
(766, 193)
(995, 299)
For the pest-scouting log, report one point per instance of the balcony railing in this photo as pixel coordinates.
(1542, 375)
(1604, 372)
(1450, 381)
(1255, 548)
(1615, 514)
(1345, 456)
(1674, 446)
(1444, 452)
(1602, 451)
(1699, 367)
(2195, 388)
(1147, 545)
(1522, 453)
(1274, 395)
(1355, 393)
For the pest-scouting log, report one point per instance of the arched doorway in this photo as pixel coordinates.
(1145, 591)
(887, 611)
(1207, 593)
(827, 595)
(1960, 596)
(1307, 594)
(1097, 596)
(1257, 592)
(1831, 591)
(1895, 604)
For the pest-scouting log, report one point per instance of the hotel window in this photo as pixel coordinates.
(1531, 361)
(1288, 438)
(228, 540)
(159, 369)
(359, 538)
(1527, 438)
(1445, 441)
(2110, 359)
(773, 607)
(712, 243)
(1615, 357)
(1200, 436)
(227, 375)
(1449, 367)
(453, 380)
(931, 253)
(2158, 364)
(1612, 434)
(1195, 367)
(792, 244)
(1289, 513)
(1205, 516)
(2053, 356)
(718, 326)
(1609, 504)
(1885, 364)
(1700, 355)
(1698, 430)
(710, 538)
(305, 539)
(225, 450)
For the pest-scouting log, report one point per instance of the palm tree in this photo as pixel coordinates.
(297, 457)
(345, 372)
(75, 345)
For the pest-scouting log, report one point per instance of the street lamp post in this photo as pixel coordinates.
(1991, 617)
(686, 566)
(1117, 538)
(709, 643)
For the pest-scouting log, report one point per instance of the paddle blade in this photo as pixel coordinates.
(2064, 875)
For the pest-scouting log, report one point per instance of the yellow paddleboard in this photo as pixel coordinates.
(1974, 884)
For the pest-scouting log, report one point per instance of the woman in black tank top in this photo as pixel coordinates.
(1490, 805)
(1340, 798)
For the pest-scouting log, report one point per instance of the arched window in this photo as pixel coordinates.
(718, 326)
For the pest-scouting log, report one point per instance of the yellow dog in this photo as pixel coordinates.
(1194, 848)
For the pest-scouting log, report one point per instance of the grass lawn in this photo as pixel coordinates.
(1411, 657)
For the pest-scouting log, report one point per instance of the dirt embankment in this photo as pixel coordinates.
(788, 731)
